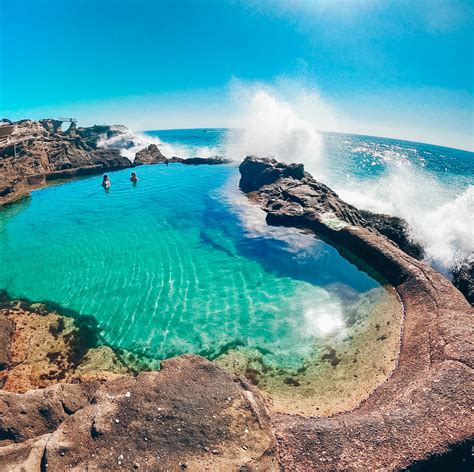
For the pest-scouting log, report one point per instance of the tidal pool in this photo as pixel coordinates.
(184, 263)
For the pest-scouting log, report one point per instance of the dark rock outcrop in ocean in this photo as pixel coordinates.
(396, 229)
(424, 407)
(149, 155)
(463, 278)
(152, 155)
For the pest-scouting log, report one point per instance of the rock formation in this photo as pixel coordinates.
(38, 151)
(396, 229)
(190, 415)
(424, 407)
(149, 155)
(97, 414)
(463, 278)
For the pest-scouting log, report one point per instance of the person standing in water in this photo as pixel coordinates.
(106, 182)
(133, 178)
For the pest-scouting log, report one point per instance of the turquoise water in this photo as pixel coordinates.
(181, 262)
(431, 187)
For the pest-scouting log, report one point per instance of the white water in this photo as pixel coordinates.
(439, 216)
(130, 142)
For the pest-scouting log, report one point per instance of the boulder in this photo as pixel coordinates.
(149, 155)
(256, 172)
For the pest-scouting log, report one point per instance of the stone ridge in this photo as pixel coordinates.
(424, 408)
(39, 151)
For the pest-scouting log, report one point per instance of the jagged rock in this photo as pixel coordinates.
(463, 279)
(395, 229)
(256, 172)
(149, 155)
(37, 151)
(212, 161)
(423, 409)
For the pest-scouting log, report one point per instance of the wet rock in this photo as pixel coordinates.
(149, 155)
(211, 161)
(463, 279)
(256, 172)
(424, 407)
(395, 229)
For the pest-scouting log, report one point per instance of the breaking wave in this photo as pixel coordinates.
(440, 216)
(130, 142)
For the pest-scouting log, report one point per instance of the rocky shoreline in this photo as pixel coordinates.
(67, 402)
(37, 152)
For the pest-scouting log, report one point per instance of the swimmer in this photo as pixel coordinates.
(106, 182)
(134, 178)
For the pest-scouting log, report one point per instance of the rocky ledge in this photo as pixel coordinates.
(96, 413)
(34, 152)
(424, 408)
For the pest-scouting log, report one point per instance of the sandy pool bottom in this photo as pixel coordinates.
(342, 369)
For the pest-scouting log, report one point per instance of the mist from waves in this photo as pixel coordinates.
(440, 215)
(130, 142)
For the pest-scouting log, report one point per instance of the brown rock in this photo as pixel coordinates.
(424, 407)
(158, 420)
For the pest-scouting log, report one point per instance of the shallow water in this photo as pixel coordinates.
(178, 263)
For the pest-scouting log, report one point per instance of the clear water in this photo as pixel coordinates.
(431, 187)
(181, 262)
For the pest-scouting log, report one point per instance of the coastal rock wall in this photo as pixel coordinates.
(37, 151)
(424, 407)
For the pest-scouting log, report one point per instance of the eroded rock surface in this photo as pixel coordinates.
(463, 278)
(424, 407)
(41, 348)
(190, 415)
(37, 151)
(149, 155)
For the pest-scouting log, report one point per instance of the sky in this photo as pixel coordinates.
(401, 69)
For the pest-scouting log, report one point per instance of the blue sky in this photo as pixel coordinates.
(393, 68)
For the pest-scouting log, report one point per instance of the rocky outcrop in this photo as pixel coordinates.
(190, 415)
(40, 347)
(424, 407)
(211, 161)
(38, 151)
(395, 229)
(152, 155)
(149, 155)
(463, 278)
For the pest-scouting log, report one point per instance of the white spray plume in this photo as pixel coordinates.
(284, 125)
(268, 125)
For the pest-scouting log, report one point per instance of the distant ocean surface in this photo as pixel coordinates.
(432, 187)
